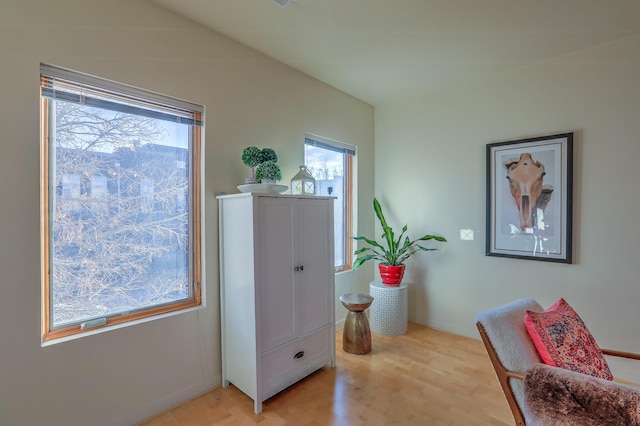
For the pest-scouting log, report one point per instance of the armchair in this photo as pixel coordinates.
(514, 356)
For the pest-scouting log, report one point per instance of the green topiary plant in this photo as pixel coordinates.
(269, 154)
(252, 157)
(268, 170)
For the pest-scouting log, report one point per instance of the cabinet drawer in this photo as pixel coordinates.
(291, 361)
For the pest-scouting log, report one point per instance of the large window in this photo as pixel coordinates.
(121, 187)
(331, 164)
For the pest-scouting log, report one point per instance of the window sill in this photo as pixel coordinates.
(118, 326)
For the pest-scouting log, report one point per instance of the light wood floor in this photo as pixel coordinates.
(424, 377)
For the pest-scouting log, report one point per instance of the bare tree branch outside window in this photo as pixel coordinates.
(120, 215)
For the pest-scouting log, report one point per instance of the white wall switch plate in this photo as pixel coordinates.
(466, 234)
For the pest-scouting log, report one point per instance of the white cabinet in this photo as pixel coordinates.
(276, 290)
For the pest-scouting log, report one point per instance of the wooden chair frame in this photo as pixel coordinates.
(504, 374)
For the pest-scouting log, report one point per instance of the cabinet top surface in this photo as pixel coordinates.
(260, 194)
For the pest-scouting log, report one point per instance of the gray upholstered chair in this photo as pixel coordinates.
(513, 354)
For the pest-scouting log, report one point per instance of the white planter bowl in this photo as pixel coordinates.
(263, 188)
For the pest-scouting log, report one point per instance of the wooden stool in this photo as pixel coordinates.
(356, 336)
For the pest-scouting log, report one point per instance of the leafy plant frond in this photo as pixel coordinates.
(371, 242)
(396, 250)
(359, 261)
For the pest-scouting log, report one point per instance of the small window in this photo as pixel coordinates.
(331, 164)
(121, 181)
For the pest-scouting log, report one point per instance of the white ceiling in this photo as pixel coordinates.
(385, 50)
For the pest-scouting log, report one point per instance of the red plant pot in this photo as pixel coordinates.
(391, 275)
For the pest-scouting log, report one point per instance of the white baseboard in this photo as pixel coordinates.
(175, 399)
(168, 402)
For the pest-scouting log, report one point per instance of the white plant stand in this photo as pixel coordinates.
(389, 310)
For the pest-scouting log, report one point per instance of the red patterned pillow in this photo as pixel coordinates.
(564, 341)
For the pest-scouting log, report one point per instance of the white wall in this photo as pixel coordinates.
(125, 375)
(430, 174)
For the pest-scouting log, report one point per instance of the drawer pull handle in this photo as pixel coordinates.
(299, 355)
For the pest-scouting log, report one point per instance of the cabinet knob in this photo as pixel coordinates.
(299, 355)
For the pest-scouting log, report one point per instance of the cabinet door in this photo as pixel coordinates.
(314, 251)
(275, 293)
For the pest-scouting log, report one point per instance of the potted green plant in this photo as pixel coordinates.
(391, 258)
(252, 157)
(268, 172)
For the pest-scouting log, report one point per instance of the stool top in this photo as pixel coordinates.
(356, 301)
(379, 286)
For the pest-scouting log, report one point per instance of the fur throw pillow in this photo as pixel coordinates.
(555, 396)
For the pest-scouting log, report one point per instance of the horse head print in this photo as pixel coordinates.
(525, 176)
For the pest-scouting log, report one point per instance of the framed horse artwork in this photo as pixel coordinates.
(529, 198)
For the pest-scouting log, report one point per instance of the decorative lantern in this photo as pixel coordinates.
(303, 183)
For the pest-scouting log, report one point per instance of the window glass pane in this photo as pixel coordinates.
(119, 218)
(99, 187)
(328, 167)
